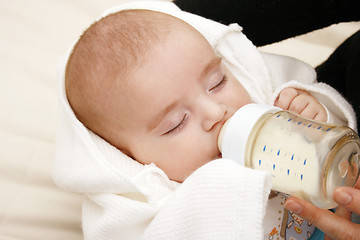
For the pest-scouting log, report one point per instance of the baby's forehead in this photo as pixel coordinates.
(142, 16)
(113, 46)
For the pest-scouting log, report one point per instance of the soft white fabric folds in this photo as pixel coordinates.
(124, 199)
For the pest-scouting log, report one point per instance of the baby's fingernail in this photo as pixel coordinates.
(342, 197)
(293, 206)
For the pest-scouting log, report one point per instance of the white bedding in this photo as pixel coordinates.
(34, 35)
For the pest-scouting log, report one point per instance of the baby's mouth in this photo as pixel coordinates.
(220, 136)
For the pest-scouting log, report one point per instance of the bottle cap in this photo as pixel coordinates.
(234, 134)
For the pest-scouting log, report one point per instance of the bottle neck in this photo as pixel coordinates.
(252, 137)
(234, 136)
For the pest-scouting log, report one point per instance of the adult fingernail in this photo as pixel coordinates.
(342, 197)
(293, 206)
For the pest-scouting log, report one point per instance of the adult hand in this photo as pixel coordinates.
(336, 225)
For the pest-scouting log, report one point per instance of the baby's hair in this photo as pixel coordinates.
(105, 55)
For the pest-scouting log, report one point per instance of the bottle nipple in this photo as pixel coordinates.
(221, 135)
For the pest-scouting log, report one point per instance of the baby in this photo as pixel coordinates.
(154, 87)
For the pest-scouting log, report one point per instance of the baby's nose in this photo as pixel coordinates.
(214, 113)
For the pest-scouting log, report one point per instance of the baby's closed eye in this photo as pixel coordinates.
(178, 126)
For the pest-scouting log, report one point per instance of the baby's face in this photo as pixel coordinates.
(175, 105)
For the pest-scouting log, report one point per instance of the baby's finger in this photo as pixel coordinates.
(285, 98)
(299, 103)
(348, 198)
(321, 116)
(310, 111)
(314, 111)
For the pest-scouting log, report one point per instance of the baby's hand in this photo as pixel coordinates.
(302, 103)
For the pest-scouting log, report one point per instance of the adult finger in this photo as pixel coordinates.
(341, 212)
(331, 224)
(349, 198)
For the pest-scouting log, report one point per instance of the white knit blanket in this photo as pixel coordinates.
(124, 199)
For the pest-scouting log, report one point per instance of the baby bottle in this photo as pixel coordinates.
(305, 158)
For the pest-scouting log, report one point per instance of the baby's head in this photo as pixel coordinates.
(152, 86)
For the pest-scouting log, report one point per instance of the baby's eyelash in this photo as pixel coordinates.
(223, 80)
(178, 127)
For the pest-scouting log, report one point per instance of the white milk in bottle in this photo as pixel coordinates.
(305, 158)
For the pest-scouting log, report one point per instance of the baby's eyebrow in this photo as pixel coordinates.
(214, 62)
